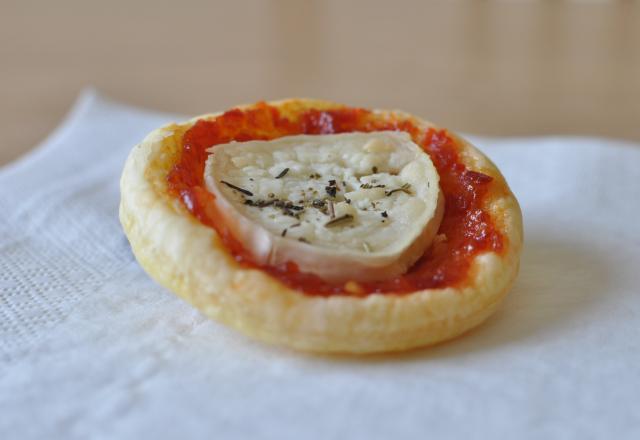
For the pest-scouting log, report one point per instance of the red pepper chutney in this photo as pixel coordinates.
(468, 228)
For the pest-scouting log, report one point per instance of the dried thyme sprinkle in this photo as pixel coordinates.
(260, 203)
(369, 186)
(331, 190)
(303, 240)
(384, 214)
(282, 173)
(317, 203)
(284, 232)
(332, 182)
(295, 225)
(339, 220)
(374, 170)
(286, 205)
(237, 188)
(404, 188)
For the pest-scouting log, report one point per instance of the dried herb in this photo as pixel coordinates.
(404, 188)
(282, 173)
(331, 190)
(369, 186)
(384, 214)
(284, 232)
(264, 203)
(282, 204)
(287, 207)
(237, 188)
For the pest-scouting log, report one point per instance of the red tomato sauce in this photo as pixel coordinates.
(468, 228)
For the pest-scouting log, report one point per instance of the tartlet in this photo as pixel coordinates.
(177, 238)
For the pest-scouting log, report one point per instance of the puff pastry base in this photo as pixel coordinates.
(189, 259)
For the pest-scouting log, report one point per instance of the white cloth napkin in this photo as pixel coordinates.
(90, 347)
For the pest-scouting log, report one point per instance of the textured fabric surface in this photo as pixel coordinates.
(90, 347)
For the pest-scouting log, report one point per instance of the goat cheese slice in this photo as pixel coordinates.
(353, 206)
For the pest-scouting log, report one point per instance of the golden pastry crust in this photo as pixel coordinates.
(189, 258)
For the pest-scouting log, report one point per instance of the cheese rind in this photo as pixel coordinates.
(353, 206)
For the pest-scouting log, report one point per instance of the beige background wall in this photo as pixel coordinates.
(487, 67)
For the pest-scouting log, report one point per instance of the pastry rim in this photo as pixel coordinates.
(188, 258)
